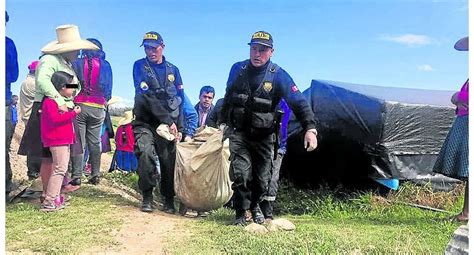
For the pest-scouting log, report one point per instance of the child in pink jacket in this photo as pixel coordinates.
(57, 134)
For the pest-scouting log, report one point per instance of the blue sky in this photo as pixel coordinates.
(405, 43)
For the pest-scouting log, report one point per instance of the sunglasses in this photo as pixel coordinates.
(71, 86)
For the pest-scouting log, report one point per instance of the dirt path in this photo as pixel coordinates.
(141, 233)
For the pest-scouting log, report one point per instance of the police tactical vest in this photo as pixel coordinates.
(167, 94)
(253, 110)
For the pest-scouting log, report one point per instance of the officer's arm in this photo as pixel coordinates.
(296, 101)
(213, 115)
(137, 76)
(190, 117)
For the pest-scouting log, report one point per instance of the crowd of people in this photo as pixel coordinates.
(63, 103)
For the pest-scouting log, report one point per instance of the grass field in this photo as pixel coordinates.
(359, 223)
(325, 221)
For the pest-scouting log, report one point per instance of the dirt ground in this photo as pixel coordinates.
(141, 233)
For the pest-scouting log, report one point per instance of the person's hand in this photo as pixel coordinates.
(187, 139)
(310, 140)
(179, 136)
(63, 108)
(174, 130)
(77, 109)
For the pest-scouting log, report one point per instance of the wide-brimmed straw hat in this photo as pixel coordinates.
(127, 118)
(462, 44)
(68, 39)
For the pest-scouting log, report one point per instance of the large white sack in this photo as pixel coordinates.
(201, 179)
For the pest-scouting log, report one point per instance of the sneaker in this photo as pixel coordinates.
(94, 180)
(51, 207)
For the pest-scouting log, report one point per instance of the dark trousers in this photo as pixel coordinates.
(33, 164)
(250, 169)
(151, 149)
(9, 130)
(272, 190)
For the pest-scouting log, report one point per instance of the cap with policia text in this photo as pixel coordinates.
(262, 38)
(152, 39)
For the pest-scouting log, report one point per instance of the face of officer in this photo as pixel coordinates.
(259, 54)
(205, 99)
(154, 55)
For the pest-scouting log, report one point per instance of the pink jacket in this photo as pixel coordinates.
(464, 97)
(56, 128)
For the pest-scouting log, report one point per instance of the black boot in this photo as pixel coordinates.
(257, 215)
(75, 182)
(183, 209)
(267, 209)
(147, 199)
(240, 218)
(168, 207)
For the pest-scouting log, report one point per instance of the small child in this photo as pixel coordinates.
(57, 134)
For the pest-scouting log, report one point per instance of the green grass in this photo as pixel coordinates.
(86, 222)
(357, 223)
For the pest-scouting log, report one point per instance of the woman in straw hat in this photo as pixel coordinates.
(57, 55)
(453, 158)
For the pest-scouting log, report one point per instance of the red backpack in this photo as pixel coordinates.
(124, 139)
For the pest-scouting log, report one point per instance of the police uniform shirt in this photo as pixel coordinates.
(283, 86)
(159, 70)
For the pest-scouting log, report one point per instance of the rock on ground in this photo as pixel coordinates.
(459, 243)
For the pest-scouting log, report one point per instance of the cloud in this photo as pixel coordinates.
(408, 39)
(425, 68)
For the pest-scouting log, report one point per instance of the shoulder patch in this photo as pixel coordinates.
(144, 86)
(294, 88)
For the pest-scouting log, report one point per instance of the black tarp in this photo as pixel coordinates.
(370, 132)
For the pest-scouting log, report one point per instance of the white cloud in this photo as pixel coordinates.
(408, 39)
(425, 68)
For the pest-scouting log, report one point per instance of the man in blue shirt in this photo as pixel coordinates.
(159, 99)
(11, 75)
(190, 119)
(254, 89)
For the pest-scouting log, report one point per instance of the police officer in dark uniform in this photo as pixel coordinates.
(254, 89)
(159, 101)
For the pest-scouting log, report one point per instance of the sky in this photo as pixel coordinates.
(404, 43)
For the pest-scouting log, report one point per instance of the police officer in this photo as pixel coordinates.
(254, 89)
(158, 101)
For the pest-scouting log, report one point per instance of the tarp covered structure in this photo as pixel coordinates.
(370, 132)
